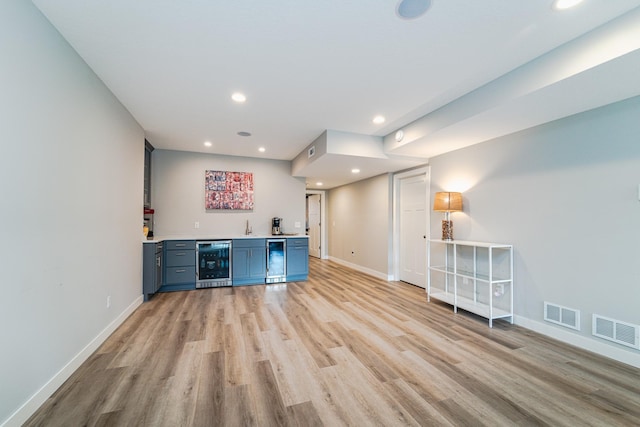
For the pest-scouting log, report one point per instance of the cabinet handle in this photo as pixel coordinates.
(180, 245)
(180, 254)
(180, 271)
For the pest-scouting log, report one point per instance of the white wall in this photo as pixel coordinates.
(359, 221)
(177, 195)
(71, 177)
(565, 194)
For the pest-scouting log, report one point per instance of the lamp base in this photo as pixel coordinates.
(447, 229)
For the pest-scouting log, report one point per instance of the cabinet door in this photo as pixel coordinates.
(240, 263)
(297, 259)
(258, 263)
(249, 265)
(148, 270)
(158, 268)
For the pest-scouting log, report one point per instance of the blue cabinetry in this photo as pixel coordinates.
(151, 268)
(174, 268)
(297, 259)
(179, 265)
(248, 261)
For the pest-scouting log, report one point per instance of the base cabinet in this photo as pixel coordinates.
(297, 259)
(152, 257)
(179, 265)
(249, 258)
(474, 276)
(175, 266)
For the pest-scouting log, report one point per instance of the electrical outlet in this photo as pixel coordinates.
(297, 224)
(109, 301)
(196, 224)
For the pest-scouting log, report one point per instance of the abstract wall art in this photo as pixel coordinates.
(228, 190)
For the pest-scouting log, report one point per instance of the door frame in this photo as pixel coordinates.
(323, 215)
(397, 177)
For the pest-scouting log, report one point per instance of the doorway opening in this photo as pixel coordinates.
(315, 220)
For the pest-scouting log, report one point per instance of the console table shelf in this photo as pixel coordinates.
(474, 276)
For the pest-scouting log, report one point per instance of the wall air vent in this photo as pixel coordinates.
(563, 316)
(616, 331)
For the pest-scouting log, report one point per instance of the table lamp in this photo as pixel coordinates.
(446, 202)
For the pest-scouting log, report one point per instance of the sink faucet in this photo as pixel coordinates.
(248, 230)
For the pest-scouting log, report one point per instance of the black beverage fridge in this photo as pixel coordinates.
(213, 263)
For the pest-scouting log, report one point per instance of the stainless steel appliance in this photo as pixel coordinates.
(275, 226)
(276, 260)
(213, 263)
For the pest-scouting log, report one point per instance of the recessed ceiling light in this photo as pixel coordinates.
(355, 170)
(412, 9)
(239, 97)
(319, 184)
(243, 133)
(378, 120)
(208, 144)
(262, 149)
(565, 4)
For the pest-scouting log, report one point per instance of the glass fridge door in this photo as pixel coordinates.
(276, 262)
(213, 260)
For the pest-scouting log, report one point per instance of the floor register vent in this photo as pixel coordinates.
(616, 331)
(562, 316)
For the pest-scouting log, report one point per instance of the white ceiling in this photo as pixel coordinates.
(308, 66)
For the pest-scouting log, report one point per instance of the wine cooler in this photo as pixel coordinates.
(213, 263)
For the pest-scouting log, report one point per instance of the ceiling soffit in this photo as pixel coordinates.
(596, 69)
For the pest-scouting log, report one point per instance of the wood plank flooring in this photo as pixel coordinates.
(343, 348)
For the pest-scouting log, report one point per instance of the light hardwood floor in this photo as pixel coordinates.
(343, 348)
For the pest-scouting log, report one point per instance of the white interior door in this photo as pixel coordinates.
(413, 230)
(313, 218)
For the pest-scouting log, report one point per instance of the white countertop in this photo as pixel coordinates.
(158, 239)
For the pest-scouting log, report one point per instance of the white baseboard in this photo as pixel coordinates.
(362, 269)
(23, 413)
(630, 357)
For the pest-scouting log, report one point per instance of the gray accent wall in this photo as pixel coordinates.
(71, 180)
(178, 195)
(360, 226)
(565, 194)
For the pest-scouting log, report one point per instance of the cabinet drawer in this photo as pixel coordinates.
(180, 258)
(179, 244)
(249, 243)
(298, 242)
(175, 275)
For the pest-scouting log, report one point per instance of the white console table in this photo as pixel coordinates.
(474, 276)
